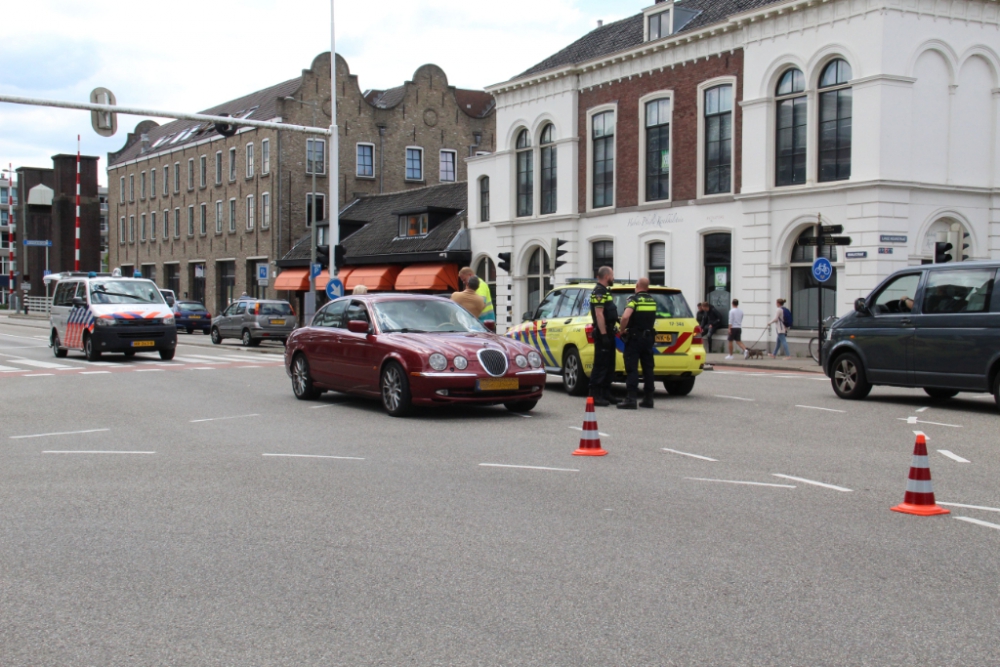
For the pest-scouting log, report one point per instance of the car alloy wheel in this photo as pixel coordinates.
(395, 390)
(849, 378)
(574, 378)
(216, 338)
(247, 338)
(302, 384)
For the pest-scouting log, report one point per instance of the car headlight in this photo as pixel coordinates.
(438, 362)
(521, 361)
(105, 321)
(169, 319)
(461, 363)
(535, 359)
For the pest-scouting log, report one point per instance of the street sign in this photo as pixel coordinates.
(857, 254)
(335, 288)
(105, 123)
(885, 251)
(830, 230)
(822, 270)
(37, 244)
(262, 273)
(836, 240)
(316, 270)
(25, 287)
(808, 241)
(890, 238)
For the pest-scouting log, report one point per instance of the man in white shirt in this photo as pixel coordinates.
(736, 329)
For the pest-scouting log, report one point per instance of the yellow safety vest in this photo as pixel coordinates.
(484, 291)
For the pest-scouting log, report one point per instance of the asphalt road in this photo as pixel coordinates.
(389, 542)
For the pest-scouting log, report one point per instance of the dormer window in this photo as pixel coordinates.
(659, 25)
(411, 226)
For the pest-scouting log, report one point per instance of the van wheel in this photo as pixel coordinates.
(934, 392)
(216, 337)
(167, 355)
(59, 352)
(89, 349)
(849, 380)
(574, 379)
(679, 387)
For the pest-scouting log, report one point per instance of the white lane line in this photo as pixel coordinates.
(735, 398)
(694, 456)
(504, 465)
(95, 372)
(8, 369)
(953, 456)
(914, 420)
(987, 524)
(193, 360)
(972, 507)
(148, 370)
(922, 409)
(316, 456)
(320, 407)
(77, 451)
(48, 365)
(580, 428)
(733, 481)
(38, 375)
(813, 407)
(215, 419)
(201, 369)
(249, 366)
(45, 435)
(842, 489)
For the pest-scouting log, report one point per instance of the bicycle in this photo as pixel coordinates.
(816, 343)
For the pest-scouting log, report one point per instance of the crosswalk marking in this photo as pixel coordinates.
(8, 369)
(194, 360)
(40, 364)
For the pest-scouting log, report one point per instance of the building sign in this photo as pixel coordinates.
(199, 270)
(857, 254)
(889, 238)
(721, 277)
(655, 220)
(664, 160)
(262, 273)
(885, 251)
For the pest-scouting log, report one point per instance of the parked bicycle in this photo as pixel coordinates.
(816, 343)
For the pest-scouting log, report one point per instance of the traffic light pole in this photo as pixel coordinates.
(334, 205)
(819, 250)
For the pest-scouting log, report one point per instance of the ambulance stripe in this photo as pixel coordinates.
(548, 351)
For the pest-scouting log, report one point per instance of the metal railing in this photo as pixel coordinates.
(38, 305)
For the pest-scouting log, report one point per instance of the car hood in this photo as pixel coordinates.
(130, 311)
(449, 344)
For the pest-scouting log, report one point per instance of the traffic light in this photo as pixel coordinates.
(964, 246)
(557, 253)
(338, 255)
(942, 252)
(323, 255)
(504, 263)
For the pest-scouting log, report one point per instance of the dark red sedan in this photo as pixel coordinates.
(411, 349)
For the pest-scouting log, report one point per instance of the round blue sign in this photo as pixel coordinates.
(822, 269)
(335, 288)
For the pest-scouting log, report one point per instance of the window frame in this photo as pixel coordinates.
(357, 159)
(232, 164)
(549, 181)
(121, 230)
(524, 163)
(442, 164)
(592, 155)
(152, 183)
(219, 215)
(265, 157)
(218, 167)
(121, 194)
(142, 186)
(650, 269)
(704, 87)
(142, 228)
(177, 177)
(250, 212)
(152, 226)
(232, 215)
(322, 163)
(191, 221)
(667, 94)
(131, 187)
(265, 210)
(821, 92)
(166, 180)
(203, 171)
(406, 164)
(484, 198)
(202, 219)
(594, 243)
(177, 222)
(166, 224)
(423, 226)
(131, 229)
(248, 157)
(543, 277)
(794, 97)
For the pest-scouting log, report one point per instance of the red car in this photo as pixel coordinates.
(411, 349)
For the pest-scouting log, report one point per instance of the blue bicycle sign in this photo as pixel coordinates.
(822, 269)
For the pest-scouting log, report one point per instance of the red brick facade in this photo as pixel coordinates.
(684, 81)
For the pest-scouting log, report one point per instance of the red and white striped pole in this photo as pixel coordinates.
(10, 236)
(76, 263)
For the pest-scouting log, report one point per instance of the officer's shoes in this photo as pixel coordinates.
(627, 404)
(612, 399)
(646, 402)
(601, 402)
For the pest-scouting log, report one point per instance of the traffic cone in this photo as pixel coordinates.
(590, 441)
(919, 497)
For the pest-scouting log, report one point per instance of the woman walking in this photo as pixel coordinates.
(782, 318)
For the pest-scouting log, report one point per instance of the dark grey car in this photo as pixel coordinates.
(934, 326)
(254, 320)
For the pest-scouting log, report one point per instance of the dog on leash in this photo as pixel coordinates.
(755, 354)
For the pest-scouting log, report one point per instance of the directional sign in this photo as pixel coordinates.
(808, 241)
(822, 270)
(829, 230)
(836, 240)
(316, 270)
(37, 244)
(335, 288)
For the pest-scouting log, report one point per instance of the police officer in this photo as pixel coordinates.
(488, 314)
(605, 316)
(638, 323)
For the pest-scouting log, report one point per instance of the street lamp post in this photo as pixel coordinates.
(10, 236)
(334, 206)
(311, 300)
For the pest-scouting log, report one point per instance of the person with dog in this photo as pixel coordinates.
(638, 327)
(736, 330)
(782, 320)
(604, 315)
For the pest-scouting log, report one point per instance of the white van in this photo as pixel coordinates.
(97, 313)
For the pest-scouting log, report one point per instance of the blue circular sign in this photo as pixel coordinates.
(335, 288)
(822, 269)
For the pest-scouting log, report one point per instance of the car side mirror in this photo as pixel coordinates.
(861, 307)
(358, 326)
(78, 302)
(491, 325)
(526, 316)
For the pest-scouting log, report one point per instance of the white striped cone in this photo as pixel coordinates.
(919, 498)
(590, 439)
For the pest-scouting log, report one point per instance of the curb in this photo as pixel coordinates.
(768, 367)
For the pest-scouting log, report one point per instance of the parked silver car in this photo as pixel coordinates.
(254, 320)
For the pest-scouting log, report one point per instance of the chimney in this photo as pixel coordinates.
(144, 138)
(600, 23)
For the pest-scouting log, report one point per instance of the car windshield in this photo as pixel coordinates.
(124, 291)
(668, 304)
(274, 309)
(424, 315)
(191, 307)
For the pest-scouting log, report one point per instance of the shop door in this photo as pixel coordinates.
(226, 280)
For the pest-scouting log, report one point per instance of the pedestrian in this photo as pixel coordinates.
(604, 315)
(638, 331)
(488, 314)
(469, 297)
(360, 289)
(782, 320)
(714, 318)
(736, 329)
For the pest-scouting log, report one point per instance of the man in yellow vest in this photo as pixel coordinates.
(488, 314)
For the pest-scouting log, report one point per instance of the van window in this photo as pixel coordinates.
(960, 291)
(64, 294)
(897, 296)
(124, 291)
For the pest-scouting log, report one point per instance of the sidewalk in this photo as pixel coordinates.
(797, 364)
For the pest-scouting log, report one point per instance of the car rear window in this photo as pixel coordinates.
(668, 304)
(274, 309)
(191, 307)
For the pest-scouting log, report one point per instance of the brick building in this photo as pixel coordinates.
(199, 212)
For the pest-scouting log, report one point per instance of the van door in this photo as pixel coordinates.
(956, 334)
(62, 302)
(886, 337)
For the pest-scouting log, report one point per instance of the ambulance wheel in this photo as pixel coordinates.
(574, 379)
(521, 406)
(679, 387)
(92, 353)
(56, 350)
(216, 337)
(167, 355)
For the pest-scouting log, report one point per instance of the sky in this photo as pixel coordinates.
(189, 55)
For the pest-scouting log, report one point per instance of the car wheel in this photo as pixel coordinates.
(574, 379)
(935, 392)
(521, 406)
(996, 390)
(129, 354)
(167, 355)
(216, 336)
(849, 379)
(190, 330)
(248, 340)
(396, 397)
(56, 350)
(93, 354)
(679, 387)
(302, 382)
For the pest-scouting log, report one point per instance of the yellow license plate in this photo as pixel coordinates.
(498, 384)
(664, 338)
(195, 317)
(143, 343)
(279, 322)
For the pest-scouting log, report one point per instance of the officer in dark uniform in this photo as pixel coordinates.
(604, 313)
(638, 325)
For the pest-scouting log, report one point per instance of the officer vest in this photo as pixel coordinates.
(643, 312)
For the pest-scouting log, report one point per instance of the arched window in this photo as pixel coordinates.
(805, 289)
(525, 174)
(484, 199)
(539, 278)
(486, 270)
(835, 122)
(548, 169)
(790, 167)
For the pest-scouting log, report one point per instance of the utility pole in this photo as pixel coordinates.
(311, 159)
(334, 215)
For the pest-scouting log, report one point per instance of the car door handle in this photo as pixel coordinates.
(906, 320)
(568, 321)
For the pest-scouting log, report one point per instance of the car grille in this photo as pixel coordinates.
(493, 361)
(130, 335)
(153, 321)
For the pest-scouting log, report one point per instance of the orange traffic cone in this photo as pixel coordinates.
(590, 441)
(919, 498)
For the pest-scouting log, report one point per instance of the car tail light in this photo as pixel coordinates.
(697, 340)
(590, 333)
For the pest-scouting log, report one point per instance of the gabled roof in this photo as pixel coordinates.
(475, 103)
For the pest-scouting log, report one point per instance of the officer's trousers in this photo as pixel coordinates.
(604, 367)
(639, 349)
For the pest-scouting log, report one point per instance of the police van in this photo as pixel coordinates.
(96, 313)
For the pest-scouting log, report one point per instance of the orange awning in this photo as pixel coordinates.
(378, 278)
(292, 280)
(324, 277)
(433, 277)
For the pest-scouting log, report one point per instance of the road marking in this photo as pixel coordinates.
(735, 398)
(813, 407)
(978, 522)
(148, 370)
(504, 465)
(48, 365)
(201, 369)
(196, 360)
(328, 405)
(918, 421)
(215, 419)
(694, 456)
(814, 483)
(953, 456)
(522, 415)
(922, 409)
(316, 456)
(249, 366)
(733, 481)
(580, 428)
(45, 435)
(8, 369)
(94, 372)
(76, 451)
(38, 375)
(972, 507)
